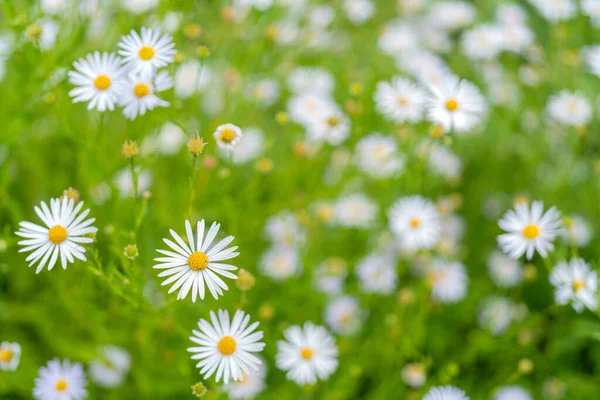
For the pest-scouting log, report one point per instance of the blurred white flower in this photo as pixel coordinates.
(377, 274)
(280, 263)
(496, 314)
(344, 315)
(445, 393)
(359, 11)
(576, 283)
(10, 356)
(414, 375)
(577, 231)
(555, 10)
(284, 229)
(512, 392)
(569, 109)
(483, 42)
(110, 370)
(448, 281)
(139, 6)
(249, 386)
(355, 211)
(377, 156)
(504, 271)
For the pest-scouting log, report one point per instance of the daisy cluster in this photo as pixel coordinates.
(404, 208)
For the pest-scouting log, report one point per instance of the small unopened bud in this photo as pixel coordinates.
(355, 88)
(192, 31)
(71, 193)
(131, 251)
(530, 272)
(266, 312)
(406, 296)
(199, 390)
(525, 366)
(264, 165)
(33, 32)
(195, 144)
(129, 149)
(203, 51)
(245, 280)
(282, 118)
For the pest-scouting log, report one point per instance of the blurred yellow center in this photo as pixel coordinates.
(198, 260)
(57, 234)
(102, 82)
(227, 345)
(146, 53)
(402, 101)
(531, 231)
(306, 353)
(227, 135)
(6, 355)
(415, 222)
(333, 121)
(61, 385)
(578, 285)
(451, 105)
(141, 90)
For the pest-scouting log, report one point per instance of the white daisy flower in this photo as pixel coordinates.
(496, 314)
(98, 77)
(284, 229)
(139, 6)
(575, 282)
(555, 10)
(265, 92)
(227, 136)
(359, 11)
(60, 380)
(591, 8)
(61, 236)
(448, 281)
(377, 155)
(415, 222)
(307, 107)
(10, 355)
(445, 393)
(197, 262)
(225, 347)
(355, 211)
(505, 271)
(332, 126)
(249, 386)
(577, 231)
(310, 80)
(400, 100)
(455, 104)
(377, 274)
(308, 353)
(444, 162)
(591, 56)
(451, 15)
(330, 275)
(138, 93)
(413, 374)
(516, 38)
(511, 14)
(344, 315)
(280, 262)
(148, 52)
(529, 230)
(192, 77)
(483, 42)
(569, 109)
(512, 392)
(110, 370)
(398, 38)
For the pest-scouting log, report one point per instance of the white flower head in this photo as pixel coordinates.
(330, 275)
(591, 56)
(60, 380)
(555, 10)
(505, 271)
(146, 53)
(249, 147)
(198, 262)
(359, 11)
(344, 315)
(311, 80)
(10, 356)
(226, 346)
(355, 211)
(111, 368)
(448, 281)
(445, 393)
(138, 93)
(577, 231)
(280, 262)
(284, 229)
(496, 314)
(98, 78)
(576, 283)
(308, 353)
(483, 42)
(529, 229)
(455, 104)
(512, 392)
(377, 274)
(227, 136)
(377, 155)
(249, 386)
(414, 375)
(331, 126)
(65, 229)
(569, 109)
(415, 221)
(400, 100)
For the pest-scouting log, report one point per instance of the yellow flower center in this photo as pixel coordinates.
(451, 105)
(227, 345)
(227, 135)
(57, 234)
(146, 53)
(402, 101)
(415, 222)
(531, 231)
(6, 355)
(306, 353)
(141, 90)
(61, 385)
(333, 121)
(578, 285)
(102, 82)
(198, 260)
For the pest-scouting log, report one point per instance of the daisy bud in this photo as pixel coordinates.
(192, 31)
(453, 369)
(355, 89)
(179, 57)
(195, 144)
(131, 251)
(266, 312)
(203, 51)
(406, 296)
(271, 32)
(199, 390)
(33, 32)
(525, 366)
(525, 337)
(245, 280)
(281, 118)
(129, 149)
(264, 165)
(71, 193)
(530, 272)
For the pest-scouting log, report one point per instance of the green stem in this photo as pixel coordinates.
(192, 189)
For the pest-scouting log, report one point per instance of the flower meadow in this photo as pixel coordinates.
(299, 199)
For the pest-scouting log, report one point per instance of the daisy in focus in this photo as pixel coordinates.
(416, 222)
(227, 346)
(576, 283)
(138, 93)
(529, 229)
(146, 53)
(98, 78)
(445, 393)
(307, 353)
(227, 136)
(10, 355)
(455, 104)
(60, 380)
(192, 265)
(65, 229)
